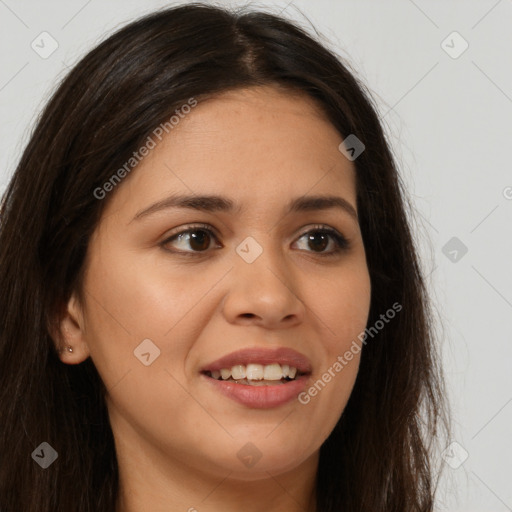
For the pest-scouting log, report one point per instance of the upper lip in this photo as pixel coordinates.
(263, 356)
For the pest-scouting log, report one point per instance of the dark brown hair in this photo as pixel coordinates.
(379, 456)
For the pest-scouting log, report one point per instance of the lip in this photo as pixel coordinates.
(259, 397)
(258, 355)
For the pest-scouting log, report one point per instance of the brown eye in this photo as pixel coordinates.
(318, 241)
(320, 238)
(199, 240)
(196, 239)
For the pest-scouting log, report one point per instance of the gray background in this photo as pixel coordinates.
(448, 120)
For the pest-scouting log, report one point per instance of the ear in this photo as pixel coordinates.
(70, 332)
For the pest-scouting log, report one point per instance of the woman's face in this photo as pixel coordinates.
(161, 309)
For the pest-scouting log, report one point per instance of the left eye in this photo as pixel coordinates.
(318, 238)
(199, 239)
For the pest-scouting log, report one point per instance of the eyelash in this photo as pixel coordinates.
(342, 244)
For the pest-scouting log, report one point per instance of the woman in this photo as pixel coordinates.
(211, 296)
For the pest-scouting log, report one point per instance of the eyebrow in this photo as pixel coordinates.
(213, 203)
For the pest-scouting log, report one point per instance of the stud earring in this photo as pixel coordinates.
(69, 348)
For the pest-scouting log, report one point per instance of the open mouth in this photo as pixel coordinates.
(256, 374)
(261, 384)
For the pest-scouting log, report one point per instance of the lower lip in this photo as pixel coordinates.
(260, 397)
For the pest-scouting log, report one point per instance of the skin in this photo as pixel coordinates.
(176, 438)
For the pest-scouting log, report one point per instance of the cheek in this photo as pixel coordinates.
(140, 297)
(343, 305)
(342, 308)
(134, 317)
(133, 299)
(125, 307)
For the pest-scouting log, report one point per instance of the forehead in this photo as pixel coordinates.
(257, 144)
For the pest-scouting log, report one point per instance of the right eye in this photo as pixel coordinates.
(198, 238)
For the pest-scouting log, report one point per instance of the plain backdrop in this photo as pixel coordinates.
(441, 73)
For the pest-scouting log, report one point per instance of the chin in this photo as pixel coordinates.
(253, 461)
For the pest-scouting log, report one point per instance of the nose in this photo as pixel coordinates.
(264, 293)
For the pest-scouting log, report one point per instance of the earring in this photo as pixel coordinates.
(69, 348)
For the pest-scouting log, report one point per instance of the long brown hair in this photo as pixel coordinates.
(379, 456)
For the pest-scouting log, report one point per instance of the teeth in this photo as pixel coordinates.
(238, 372)
(225, 373)
(256, 372)
(272, 372)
